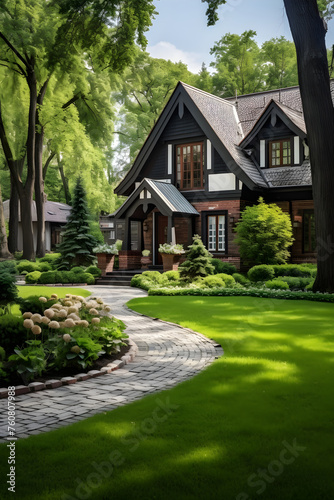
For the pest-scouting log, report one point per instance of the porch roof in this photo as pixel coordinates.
(163, 195)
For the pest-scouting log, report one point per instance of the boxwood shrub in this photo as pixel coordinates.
(12, 332)
(228, 279)
(262, 272)
(66, 277)
(94, 270)
(240, 278)
(214, 281)
(277, 284)
(295, 270)
(222, 267)
(32, 278)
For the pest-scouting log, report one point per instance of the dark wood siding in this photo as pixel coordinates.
(181, 128)
(156, 166)
(219, 166)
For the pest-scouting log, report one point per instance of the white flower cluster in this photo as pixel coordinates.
(65, 313)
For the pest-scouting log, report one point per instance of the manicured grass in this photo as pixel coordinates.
(258, 423)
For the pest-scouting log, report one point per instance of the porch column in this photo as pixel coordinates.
(171, 230)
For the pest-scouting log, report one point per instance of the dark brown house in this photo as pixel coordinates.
(205, 159)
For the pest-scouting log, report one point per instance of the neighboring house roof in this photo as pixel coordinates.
(164, 195)
(54, 211)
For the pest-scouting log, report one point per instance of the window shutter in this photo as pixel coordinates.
(208, 155)
(170, 159)
(296, 150)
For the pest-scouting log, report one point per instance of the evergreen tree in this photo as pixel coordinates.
(197, 263)
(77, 245)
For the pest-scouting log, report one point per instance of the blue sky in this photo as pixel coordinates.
(180, 32)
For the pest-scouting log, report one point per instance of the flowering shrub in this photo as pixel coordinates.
(69, 332)
(175, 249)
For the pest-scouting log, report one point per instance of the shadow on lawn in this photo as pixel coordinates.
(256, 424)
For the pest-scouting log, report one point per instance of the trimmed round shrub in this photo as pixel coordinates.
(8, 288)
(171, 275)
(47, 278)
(32, 278)
(240, 278)
(94, 270)
(147, 279)
(50, 257)
(214, 281)
(295, 270)
(276, 285)
(87, 278)
(77, 269)
(25, 266)
(297, 283)
(43, 267)
(227, 278)
(222, 267)
(12, 332)
(261, 273)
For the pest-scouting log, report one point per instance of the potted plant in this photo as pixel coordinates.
(145, 260)
(106, 256)
(171, 255)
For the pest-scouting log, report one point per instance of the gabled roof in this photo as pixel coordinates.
(53, 211)
(163, 195)
(219, 121)
(293, 119)
(289, 176)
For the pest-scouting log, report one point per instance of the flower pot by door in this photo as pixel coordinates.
(170, 261)
(105, 262)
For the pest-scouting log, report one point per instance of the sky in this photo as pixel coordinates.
(180, 31)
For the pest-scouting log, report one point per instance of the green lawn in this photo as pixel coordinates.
(258, 423)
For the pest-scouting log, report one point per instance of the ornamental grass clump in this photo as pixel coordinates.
(73, 332)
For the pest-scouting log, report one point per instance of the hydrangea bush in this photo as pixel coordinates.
(69, 332)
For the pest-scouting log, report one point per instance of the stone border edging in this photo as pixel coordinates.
(53, 384)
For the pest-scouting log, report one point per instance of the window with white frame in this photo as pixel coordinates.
(216, 233)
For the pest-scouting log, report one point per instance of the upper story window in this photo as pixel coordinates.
(189, 166)
(280, 153)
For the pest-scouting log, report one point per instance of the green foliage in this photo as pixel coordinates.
(198, 261)
(240, 278)
(65, 277)
(212, 282)
(50, 258)
(77, 245)
(264, 234)
(276, 284)
(32, 278)
(297, 283)
(33, 304)
(223, 267)
(25, 266)
(77, 269)
(30, 361)
(94, 270)
(12, 332)
(147, 280)
(261, 273)
(8, 288)
(243, 292)
(8, 266)
(298, 270)
(109, 334)
(227, 278)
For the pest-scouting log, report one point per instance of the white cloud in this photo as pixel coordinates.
(168, 51)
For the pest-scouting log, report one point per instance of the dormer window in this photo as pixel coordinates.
(190, 166)
(280, 153)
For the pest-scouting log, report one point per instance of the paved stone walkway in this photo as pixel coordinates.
(167, 354)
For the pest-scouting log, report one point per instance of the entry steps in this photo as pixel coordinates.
(123, 278)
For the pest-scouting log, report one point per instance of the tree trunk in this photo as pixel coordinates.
(309, 32)
(65, 183)
(13, 217)
(4, 252)
(39, 195)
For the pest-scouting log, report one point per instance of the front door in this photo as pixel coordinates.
(161, 232)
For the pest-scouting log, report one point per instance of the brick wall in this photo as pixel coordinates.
(129, 259)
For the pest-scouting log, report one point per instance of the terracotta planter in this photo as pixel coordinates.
(145, 262)
(170, 261)
(105, 262)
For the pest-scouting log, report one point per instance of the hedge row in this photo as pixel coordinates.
(65, 277)
(239, 292)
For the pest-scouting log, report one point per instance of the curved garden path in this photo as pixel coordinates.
(167, 354)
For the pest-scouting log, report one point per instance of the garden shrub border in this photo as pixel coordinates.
(250, 292)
